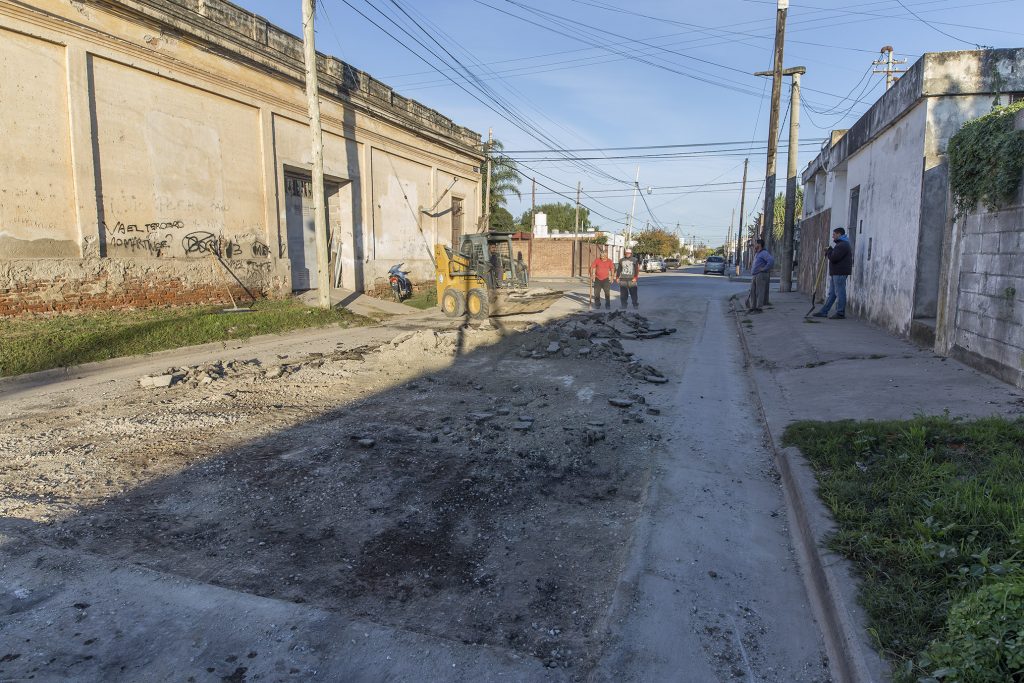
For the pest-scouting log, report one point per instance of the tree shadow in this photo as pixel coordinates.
(487, 500)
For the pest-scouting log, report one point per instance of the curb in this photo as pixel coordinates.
(848, 663)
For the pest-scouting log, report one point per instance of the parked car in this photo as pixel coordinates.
(654, 265)
(714, 264)
(671, 262)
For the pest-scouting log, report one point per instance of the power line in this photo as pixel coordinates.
(933, 27)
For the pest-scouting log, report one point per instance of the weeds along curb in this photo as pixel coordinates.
(847, 663)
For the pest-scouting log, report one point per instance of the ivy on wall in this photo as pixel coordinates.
(986, 160)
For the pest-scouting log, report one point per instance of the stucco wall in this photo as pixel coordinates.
(888, 172)
(156, 130)
(36, 184)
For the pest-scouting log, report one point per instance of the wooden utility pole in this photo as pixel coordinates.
(487, 182)
(786, 279)
(888, 65)
(323, 278)
(782, 8)
(739, 232)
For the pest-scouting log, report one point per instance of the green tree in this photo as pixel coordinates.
(505, 177)
(561, 218)
(502, 220)
(656, 241)
(780, 213)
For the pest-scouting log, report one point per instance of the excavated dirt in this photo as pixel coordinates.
(474, 484)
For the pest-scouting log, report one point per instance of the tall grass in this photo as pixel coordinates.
(929, 511)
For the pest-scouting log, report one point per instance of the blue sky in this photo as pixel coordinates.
(611, 73)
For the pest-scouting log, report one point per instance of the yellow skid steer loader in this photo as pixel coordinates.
(483, 279)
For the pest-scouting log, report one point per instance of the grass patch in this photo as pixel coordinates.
(931, 512)
(423, 298)
(31, 344)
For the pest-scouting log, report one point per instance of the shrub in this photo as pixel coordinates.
(984, 638)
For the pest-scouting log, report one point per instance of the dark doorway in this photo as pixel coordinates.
(301, 228)
(457, 218)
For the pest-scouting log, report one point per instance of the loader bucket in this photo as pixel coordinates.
(517, 301)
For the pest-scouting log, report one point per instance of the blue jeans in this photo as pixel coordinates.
(836, 291)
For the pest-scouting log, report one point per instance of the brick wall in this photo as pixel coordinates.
(555, 257)
(41, 286)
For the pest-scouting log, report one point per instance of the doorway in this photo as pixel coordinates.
(458, 215)
(853, 227)
(300, 227)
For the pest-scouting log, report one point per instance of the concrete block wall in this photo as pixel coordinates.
(988, 318)
(989, 327)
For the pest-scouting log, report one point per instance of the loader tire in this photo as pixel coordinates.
(477, 304)
(453, 303)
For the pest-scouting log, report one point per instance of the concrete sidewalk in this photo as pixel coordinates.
(820, 369)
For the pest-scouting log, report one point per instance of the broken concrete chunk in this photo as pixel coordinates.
(553, 347)
(367, 442)
(522, 426)
(162, 381)
(275, 372)
(620, 402)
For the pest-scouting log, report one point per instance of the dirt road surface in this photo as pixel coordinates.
(570, 497)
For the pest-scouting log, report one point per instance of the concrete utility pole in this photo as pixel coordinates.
(576, 233)
(632, 208)
(726, 250)
(533, 206)
(786, 279)
(782, 8)
(739, 232)
(889, 66)
(323, 278)
(487, 182)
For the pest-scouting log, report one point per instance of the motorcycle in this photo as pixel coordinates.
(401, 287)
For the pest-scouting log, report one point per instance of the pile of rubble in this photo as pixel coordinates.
(199, 375)
(595, 335)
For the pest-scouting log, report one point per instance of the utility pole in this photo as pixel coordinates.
(782, 7)
(576, 234)
(786, 276)
(533, 207)
(743, 201)
(487, 181)
(579, 187)
(889, 66)
(726, 250)
(629, 223)
(319, 201)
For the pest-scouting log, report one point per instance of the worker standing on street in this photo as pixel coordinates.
(601, 277)
(628, 272)
(760, 273)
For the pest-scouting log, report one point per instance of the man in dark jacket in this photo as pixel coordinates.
(840, 267)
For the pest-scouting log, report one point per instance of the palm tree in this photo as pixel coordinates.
(505, 176)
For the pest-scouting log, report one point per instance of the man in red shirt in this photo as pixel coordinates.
(601, 274)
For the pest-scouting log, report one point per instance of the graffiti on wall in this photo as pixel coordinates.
(163, 238)
(147, 238)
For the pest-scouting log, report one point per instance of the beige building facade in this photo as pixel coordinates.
(143, 139)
